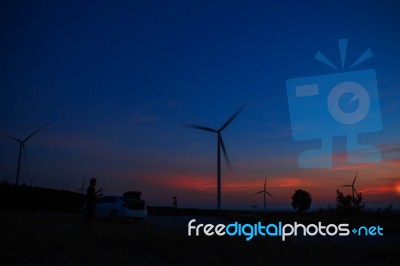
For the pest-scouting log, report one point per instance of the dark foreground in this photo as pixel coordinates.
(62, 239)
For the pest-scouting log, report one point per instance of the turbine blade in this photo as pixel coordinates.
(265, 183)
(346, 186)
(228, 162)
(355, 179)
(31, 135)
(355, 190)
(258, 192)
(240, 109)
(4, 135)
(269, 194)
(201, 128)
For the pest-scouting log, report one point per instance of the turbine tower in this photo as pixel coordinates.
(82, 188)
(265, 193)
(22, 149)
(353, 189)
(220, 145)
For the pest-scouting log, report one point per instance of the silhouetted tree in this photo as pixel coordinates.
(348, 203)
(301, 200)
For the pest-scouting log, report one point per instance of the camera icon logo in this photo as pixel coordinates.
(340, 104)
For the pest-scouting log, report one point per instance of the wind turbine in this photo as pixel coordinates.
(265, 193)
(353, 189)
(220, 145)
(82, 189)
(22, 149)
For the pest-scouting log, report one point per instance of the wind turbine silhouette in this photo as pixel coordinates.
(22, 149)
(82, 189)
(265, 193)
(353, 189)
(220, 145)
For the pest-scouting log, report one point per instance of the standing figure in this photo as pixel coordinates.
(174, 203)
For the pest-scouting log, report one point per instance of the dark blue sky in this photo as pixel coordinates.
(117, 80)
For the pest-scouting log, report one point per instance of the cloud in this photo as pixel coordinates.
(292, 182)
(395, 150)
(385, 187)
(209, 183)
(351, 167)
(378, 190)
(391, 153)
(177, 181)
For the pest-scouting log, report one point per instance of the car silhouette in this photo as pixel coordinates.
(128, 206)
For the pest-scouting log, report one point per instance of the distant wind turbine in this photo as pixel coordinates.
(82, 188)
(22, 149)
(353, 189)
(265, 192)
(220, 145)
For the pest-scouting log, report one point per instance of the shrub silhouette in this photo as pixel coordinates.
(301, 200)
(349, 203)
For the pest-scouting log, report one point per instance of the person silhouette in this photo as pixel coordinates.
(174, 203)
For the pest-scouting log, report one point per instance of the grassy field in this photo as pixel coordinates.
(62, 239)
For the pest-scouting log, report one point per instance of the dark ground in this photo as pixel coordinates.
(29, 238)
(40, 226)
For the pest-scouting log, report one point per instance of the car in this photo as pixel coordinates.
(128, 206)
